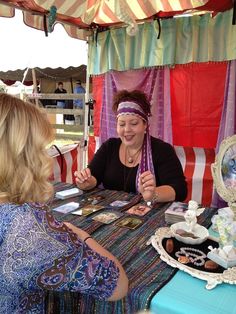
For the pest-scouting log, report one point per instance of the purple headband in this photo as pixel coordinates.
(146, 163)
(129, 107)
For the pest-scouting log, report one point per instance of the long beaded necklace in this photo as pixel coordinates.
(128, 175)
(132, 159)
(192, 255)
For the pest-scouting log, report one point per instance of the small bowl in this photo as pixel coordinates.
(200, 232)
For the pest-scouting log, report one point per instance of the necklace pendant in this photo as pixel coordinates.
(130, 160)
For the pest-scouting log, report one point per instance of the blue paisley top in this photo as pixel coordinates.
(38, 253)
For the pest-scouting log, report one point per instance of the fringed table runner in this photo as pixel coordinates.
(147, 273)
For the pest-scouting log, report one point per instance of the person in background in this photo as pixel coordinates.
(60, 119)
(60, 90)
(38, 252)
(69, 118)
(78, 103)
(135, 162)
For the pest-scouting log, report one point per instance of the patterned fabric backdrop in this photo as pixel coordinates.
(154, 82)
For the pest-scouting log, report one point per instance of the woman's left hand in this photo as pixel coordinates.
(147, 185)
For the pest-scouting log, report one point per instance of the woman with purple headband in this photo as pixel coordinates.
(135, 162)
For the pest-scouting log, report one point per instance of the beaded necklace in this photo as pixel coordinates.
(130, 171)
(132, 159)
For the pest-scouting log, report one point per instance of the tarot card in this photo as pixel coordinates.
(77, 212)
(94, 199)
(67, 208)
(90, 209)
(107, 217)
(139, 210)
(129, 222)
(119, 203)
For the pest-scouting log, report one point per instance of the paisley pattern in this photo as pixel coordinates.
(37, 252)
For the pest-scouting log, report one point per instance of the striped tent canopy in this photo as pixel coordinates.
(80, 17)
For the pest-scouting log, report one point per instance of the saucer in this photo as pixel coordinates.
(197, 236)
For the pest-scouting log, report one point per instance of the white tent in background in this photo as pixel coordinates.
(27, 47)
(23, 47)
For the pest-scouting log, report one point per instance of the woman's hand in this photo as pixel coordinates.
(147, 185)
(84, 179)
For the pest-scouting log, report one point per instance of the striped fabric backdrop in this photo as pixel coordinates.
(196, 163)
(78, 15)
(65, 162)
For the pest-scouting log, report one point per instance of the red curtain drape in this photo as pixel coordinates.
(197, 95)
(98, 88)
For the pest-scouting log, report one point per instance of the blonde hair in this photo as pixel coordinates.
(24, 163)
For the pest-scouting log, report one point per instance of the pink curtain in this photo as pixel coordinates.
(228, 117)
(154, 82)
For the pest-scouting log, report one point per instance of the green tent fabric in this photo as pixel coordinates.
(182, 40)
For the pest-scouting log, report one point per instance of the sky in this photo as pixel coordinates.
(23, 46)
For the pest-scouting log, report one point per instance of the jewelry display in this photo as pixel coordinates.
(212, 273)
(195, 256)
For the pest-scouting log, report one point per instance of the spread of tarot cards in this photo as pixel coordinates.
(129, 222)
(88, 210)
(107, 217)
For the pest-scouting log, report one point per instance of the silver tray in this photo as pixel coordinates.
(213, 279)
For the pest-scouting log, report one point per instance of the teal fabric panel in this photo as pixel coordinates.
(182, 40)
(185, 294)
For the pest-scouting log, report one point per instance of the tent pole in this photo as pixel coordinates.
(86, 117)
(35, 85)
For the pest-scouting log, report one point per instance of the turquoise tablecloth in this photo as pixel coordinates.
(185, 294)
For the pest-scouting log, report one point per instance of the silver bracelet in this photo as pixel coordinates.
(153, 201)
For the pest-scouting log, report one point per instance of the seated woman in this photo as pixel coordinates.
(135, 162)
(39, 253)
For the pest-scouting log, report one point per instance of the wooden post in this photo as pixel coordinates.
(35, 91)
(86, 109)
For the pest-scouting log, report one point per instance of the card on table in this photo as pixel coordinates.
(68, 193)
(90, 209)
(67, 208)
(129, 222)
(118, 203)
(77, 212)
(139, 210)
(107, 217)
(94, 199)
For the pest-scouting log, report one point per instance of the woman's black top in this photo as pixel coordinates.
(107, 168)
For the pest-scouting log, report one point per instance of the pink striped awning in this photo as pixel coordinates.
(80, 16)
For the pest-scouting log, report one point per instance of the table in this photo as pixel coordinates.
(146, 272)
(187, 295)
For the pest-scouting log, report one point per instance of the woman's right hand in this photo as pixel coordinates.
(84, 179)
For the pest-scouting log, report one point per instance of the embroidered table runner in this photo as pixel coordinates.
(147, 273)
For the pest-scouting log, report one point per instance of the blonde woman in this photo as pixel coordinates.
(37, 252)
